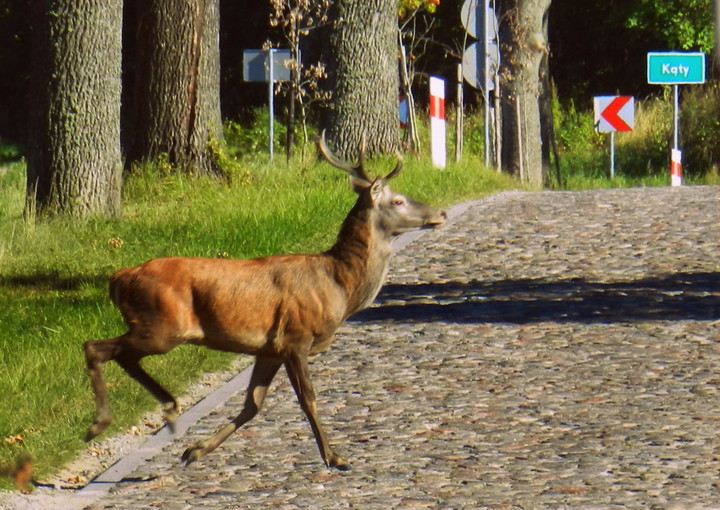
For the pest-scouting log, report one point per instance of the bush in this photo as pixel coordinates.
(643, 155)
(645, 151)
(700, 129)
(581, 149)
(253, 138)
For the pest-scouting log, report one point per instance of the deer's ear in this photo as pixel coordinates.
(376, 189)
(359, 184)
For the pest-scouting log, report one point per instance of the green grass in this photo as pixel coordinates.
(53, 279)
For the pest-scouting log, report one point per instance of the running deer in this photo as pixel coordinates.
(281, 309)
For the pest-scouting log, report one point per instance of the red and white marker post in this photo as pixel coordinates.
(437, 121)
(676, 167)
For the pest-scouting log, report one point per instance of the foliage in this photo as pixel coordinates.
(9, 152)
(683, 24)
(700, 120)
(253, 136)
(600, 48)
(407, 7)
(642, 155)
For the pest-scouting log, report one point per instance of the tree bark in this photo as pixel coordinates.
(177, 85)
(363, 65)
(716, 8)
(523, 46)
(74, 160)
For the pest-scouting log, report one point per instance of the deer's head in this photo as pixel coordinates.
(394, 213)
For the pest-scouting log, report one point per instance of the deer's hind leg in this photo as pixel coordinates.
(99, 352)
(130, 362)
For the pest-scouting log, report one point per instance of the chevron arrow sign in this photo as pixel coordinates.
(614, 113)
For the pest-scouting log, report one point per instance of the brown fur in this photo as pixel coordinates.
(280, 309)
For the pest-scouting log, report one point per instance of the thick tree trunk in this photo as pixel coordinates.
(523, 46)
(74, 159)
(716, 6)
(177, 86)
(364, 71)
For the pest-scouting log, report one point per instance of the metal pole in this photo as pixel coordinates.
(676, 107)
(486, 75)
(612, 154)
(271, 79)
(497, 124)
(459, 116)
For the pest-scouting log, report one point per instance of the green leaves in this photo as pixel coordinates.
(682, 24)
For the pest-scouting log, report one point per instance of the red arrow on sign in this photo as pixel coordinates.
(611, 113)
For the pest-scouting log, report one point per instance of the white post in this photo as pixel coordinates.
(437, 121)
(676, 153)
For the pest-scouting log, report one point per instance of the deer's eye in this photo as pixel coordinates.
(398, 201)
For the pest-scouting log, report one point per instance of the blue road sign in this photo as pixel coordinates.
(675, 68)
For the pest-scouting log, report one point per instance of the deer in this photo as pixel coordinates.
(281, 309)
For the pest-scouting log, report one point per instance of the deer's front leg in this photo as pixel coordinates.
(262, 375)
(299, 374)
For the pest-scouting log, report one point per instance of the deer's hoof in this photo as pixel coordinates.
(171, 413)
(337, 462)
(193, 453)
(96, 429)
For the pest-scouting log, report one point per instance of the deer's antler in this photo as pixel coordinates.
(398, 167)
(356, 171)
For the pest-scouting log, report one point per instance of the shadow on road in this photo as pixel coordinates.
(679, 296)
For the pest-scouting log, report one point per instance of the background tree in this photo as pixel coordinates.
(523, 46)
(363, 69)
(74, 162)
(716, 6)
(599, 47)
(176, 98)
(298, 19)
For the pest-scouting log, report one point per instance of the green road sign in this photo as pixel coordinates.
(675, 68)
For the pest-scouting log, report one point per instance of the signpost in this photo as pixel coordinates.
(481, 58)
(614, 113)
(267, 66)
(675, 68)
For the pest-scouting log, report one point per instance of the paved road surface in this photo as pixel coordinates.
(543, 350)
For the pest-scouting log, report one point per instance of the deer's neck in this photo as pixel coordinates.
(360, 258)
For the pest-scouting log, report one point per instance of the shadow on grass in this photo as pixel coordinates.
(673, 297)
(54, 280)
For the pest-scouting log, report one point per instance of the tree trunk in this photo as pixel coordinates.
(364, 72)
(716, 7)
(177, 84)
(74, 161)
(523, 45)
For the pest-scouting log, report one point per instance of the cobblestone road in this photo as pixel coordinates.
(542, 350)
